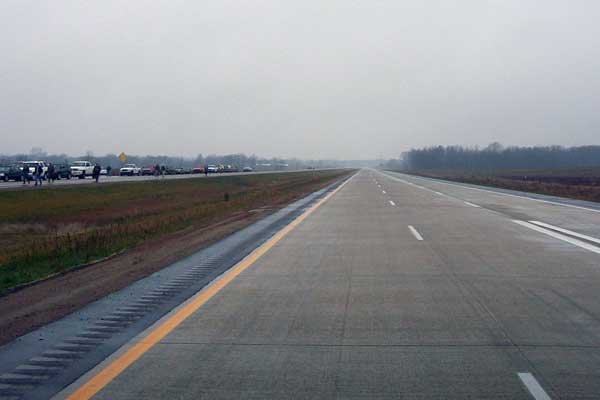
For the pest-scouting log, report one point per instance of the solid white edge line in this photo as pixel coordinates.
(533, 386)
(415, 233)
(568, 232)
(559, 236)
(472, 205)
(498, 193)
(392, 203)
(409, 183)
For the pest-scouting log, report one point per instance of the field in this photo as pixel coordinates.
(581, 184)
(49, 231)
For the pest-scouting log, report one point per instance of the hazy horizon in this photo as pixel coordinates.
(314, 80)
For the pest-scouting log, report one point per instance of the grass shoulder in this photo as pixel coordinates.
(50, 231)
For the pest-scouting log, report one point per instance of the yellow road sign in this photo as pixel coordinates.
(122, 157)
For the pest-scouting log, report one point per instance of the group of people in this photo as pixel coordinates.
(38, 173)
(50, 174)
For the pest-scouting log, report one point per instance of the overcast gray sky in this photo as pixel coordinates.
(310, 78)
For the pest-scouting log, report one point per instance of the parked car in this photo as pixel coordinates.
(130, 169)
(148, 170)
(81, 169)
(61, 171)
(230, 168)
(21, 166)
(198, 170)
(247, 169)
(10, 173)
(212, 169)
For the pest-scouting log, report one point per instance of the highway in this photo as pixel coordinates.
(392, 286)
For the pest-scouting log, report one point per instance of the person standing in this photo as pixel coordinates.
(96, 173)
(25, 174)
(39, 174)
(50, 174)
(108, 169)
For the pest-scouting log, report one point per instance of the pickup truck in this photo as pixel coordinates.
(81, 169)
(32, 166)
(130, 169)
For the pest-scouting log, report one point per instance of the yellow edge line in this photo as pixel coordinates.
(114, 369)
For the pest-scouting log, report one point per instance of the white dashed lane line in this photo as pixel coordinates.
(535, 389)
(392, 203)
(472, 205)
(415, 233)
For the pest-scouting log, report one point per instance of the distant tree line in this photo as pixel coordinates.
(497, 157)
(239, 160)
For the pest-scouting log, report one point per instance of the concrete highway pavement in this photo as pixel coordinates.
(395, 287)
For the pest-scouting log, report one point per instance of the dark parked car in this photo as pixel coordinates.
(10, 173)
(170, 171)
(62, 171)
